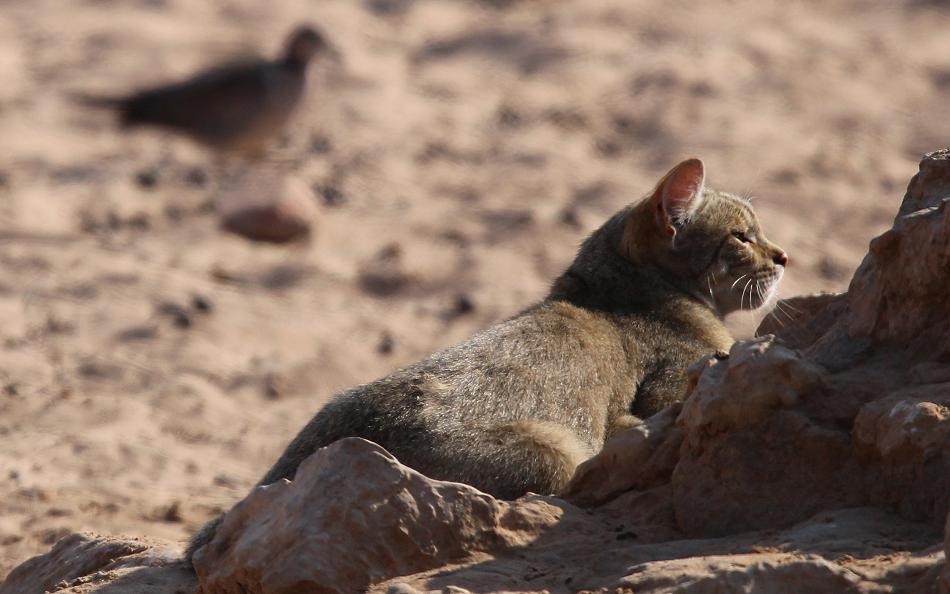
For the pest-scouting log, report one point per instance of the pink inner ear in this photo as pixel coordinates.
(683, 189)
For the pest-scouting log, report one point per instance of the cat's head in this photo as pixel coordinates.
(708, 243)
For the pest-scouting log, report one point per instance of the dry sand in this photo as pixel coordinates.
(153, 367)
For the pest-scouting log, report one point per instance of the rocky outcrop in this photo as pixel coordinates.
(814, 458)
(848, 405)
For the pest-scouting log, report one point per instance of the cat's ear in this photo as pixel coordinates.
(678, 195)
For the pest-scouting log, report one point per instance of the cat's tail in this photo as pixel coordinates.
(201, 538)
(341, 417)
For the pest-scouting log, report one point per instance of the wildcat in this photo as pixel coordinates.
(518, 406)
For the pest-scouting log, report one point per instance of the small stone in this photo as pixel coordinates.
(179, 315)
(386, 344)
(197, 177)
(113, 221)
(275, 386)
(202, 304)
(172, 513)
(332, 196)
(275, 210)
(320, 145)
(509, 118)
(402, 589)
(147, 179)
(385, 8)
(139, 221)
(461, 305)
(174, 213)
(568, 216)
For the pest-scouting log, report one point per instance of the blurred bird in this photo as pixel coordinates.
(235, 108)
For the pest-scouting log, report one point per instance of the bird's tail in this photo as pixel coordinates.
(120, 105)
(96, 101)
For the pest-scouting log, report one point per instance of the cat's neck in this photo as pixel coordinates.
(621, 292)
(620, 287)
(608, 275)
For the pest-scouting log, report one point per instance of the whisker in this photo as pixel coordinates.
(737, 280)
(777, 319)
(792, 307)
(741, 299)
(778, 312)
(770, 298)
(782, 307)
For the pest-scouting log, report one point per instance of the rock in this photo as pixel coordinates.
(265, 206)
(90, 563)
(354, 516)
(147, 179)
(202, 304)
(904, 439)
(898, 294)
(386, 344)
(847, 551)
(331, 195)
(854, 413)
(383, 276)
(651, 448)
(905, 424)
(759, 377)
(803, 319)
(462, 305)
(755, 572)
(944, 579)
(197, 177)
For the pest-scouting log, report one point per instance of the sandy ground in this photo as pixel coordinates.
(153, 367)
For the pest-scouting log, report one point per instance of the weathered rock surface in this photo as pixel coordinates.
(299, 536)
(89, 563)
(812, 459)
(944, 580)
(652, 448)
(851, 550)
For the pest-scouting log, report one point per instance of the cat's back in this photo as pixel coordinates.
(554, 362)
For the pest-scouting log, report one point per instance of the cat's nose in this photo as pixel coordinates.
(781, 259)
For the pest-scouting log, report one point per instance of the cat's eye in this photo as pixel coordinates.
(741, 236)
